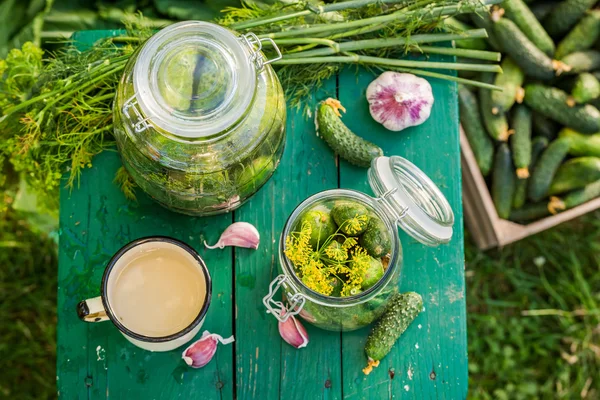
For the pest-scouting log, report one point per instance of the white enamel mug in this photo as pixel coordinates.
(100, 308)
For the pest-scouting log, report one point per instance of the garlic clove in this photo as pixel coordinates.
(199, 353)
(293, 332)
(398, 100)
(239, 234)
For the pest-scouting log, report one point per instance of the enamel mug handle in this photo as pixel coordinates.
(92, 310)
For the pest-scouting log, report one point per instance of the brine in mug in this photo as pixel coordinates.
(156, 291)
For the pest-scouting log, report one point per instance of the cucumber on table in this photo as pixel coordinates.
(580, 144)
(533, 61)
(470, 118)
(546, 168)
(511, 82)
(495, 124)
(554, 103)
(582, 36)
(574, 198)
(575, 174)
(545, 127)
(342, 140)
(503, 181)
(520, 141)
(518, 12)
(565, 15)
(400, 312)
(454, 25)
(538, 145)
(582, 61)
(586, 88)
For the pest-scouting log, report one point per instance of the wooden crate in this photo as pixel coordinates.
(489, 230)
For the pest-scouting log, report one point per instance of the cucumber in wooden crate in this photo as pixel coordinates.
(575, 174)
(503, 181)
(580, 144)
(565, 15)
(586, 88)
(538, 145)
(529, 212)
(518, 12)
(545, 169)
(545, 127)
(582, 36)
(470, 118)
(520, 141)
(511, 82)
(495, 124)
(582, 61)
(574, 198)
(554, 103)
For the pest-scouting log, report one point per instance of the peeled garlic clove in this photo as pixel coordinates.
(199, 353)
(293, 332)
(240, 234)
(398, 100)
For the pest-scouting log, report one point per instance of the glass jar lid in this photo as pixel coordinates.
(414, 201)
(194, 79)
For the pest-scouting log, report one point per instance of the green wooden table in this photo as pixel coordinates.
(430, 361)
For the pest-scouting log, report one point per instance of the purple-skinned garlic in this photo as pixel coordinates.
(239, 234)
(398, 100)
(293, 332)
(199, 353)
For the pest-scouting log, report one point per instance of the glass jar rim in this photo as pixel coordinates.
(233, 59)
(368, 294)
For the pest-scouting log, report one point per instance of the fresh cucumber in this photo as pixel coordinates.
(545, 169)
(542, 8)
(582, 61)
(376, 240)
(554, 103)
(351, 217)
(575, 174)
(520, 141)
(372, 274)
(342, 140)
(503, 181)
(582, 36)
(454, 25)
(545, 127)
(511, 82)
(321, 224)
(495, 124)
(518, 12)
(399, 314)
(530, 212)
(538, 145)
(565, 15)
(470, 118)
(574, 198)
(533, 61)
(586, 88)
(580, 144)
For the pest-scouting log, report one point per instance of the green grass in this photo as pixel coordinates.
(513, 353)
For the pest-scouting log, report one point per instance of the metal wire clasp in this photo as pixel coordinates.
(140, 123)
(254, 43)
(389, 205)
(278, 308)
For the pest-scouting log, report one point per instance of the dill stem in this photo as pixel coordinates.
(390, 42)
(446, 77)
(350, 58)
(312, 41)
(467, 53)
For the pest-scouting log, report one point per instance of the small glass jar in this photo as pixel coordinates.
(199, 117)
(405, 198)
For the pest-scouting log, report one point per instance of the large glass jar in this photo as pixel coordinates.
(200, 117)
(406, 198)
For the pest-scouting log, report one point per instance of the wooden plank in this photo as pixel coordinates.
(109, 363)
(430, 360)
(267, 367)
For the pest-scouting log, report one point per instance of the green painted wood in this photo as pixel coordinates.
(433, 348)
(95, 361)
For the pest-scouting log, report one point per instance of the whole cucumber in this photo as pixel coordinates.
(554, 103)
(530, 212)
(582, 36)
(400, 312)
(565, 15)
(518, 12)
(342, 140)
(538, 145)
(511, 82)
(520, 141)
(545, 127)
(575, 174)
(582, 61)
(542, 8)
(546, 168)
(495, 124)
(574, 198)
(580, 144)
(503, 181)
(586, 88)
(470, 119)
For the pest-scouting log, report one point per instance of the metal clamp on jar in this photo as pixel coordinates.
(200, 117)
(406, 198)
